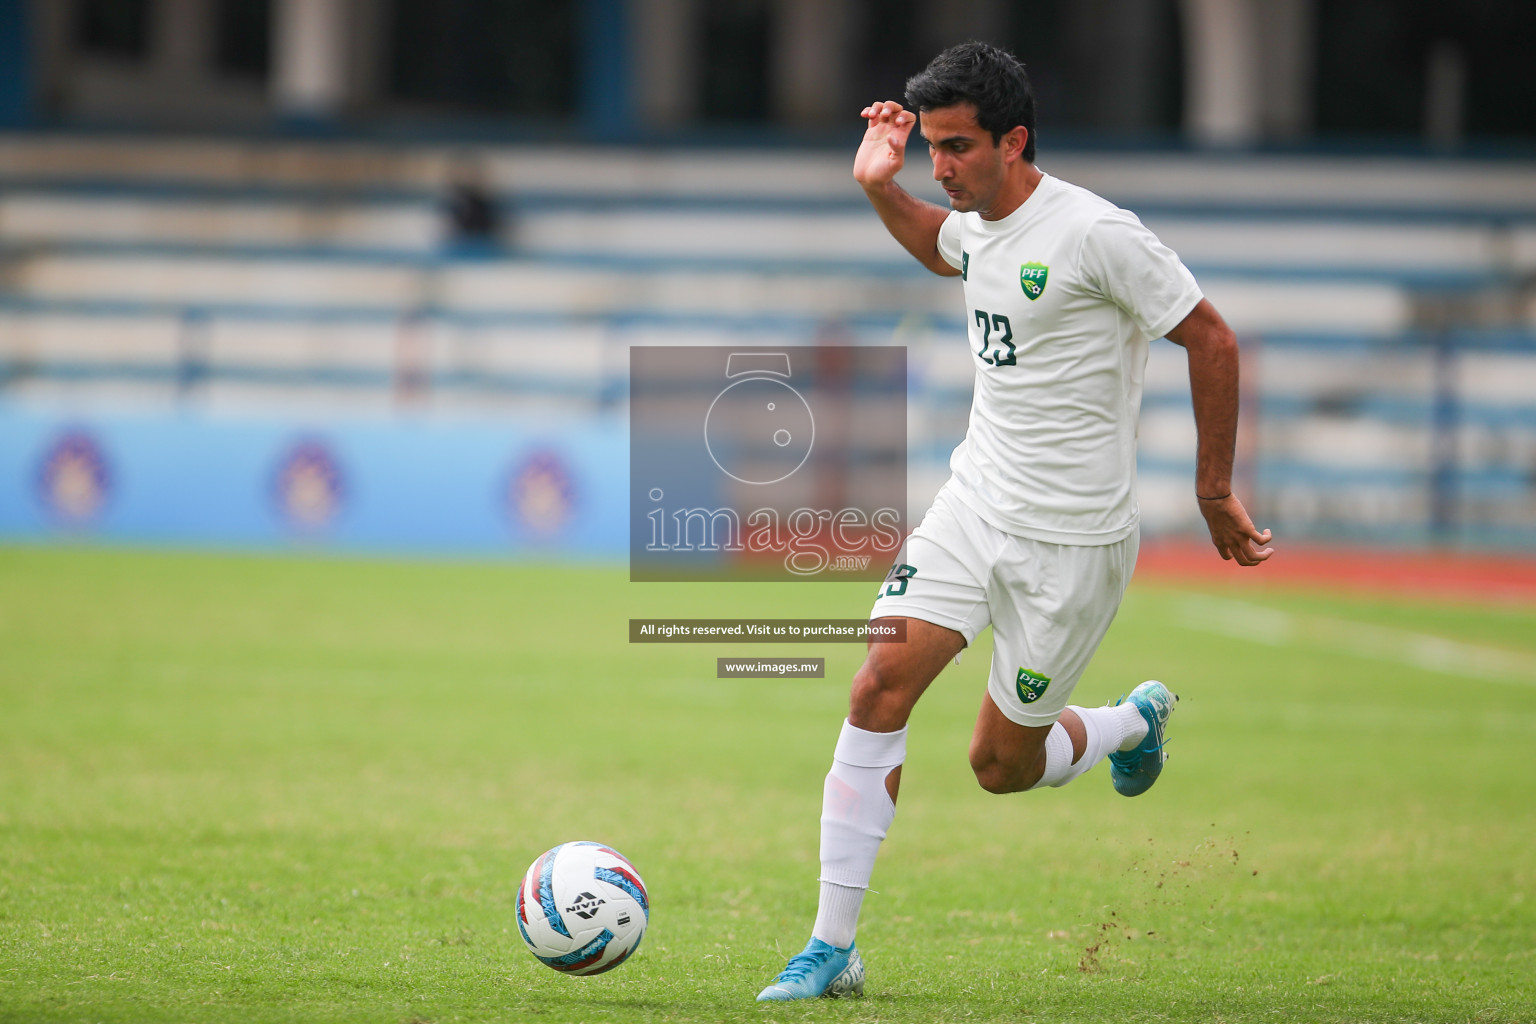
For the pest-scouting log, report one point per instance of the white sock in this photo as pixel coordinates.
(1122, 721)
(1058, 758)
(856, 811)
(1106, 729)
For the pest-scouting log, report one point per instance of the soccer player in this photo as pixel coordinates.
(1035, 533)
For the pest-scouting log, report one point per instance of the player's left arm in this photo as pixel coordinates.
(1213, 368)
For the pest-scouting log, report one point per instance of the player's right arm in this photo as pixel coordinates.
(911, 221)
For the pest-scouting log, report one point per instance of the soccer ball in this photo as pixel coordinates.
(582, 908)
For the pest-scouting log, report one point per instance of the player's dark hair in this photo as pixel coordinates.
(991, 79)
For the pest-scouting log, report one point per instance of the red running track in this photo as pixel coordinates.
(1501, 579)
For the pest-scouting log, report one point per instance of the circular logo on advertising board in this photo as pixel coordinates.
(310, 488)
(73, 478)
(542, 494)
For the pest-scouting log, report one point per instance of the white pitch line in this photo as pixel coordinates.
(1275, 628)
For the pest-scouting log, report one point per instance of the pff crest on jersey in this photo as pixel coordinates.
(1032, 685)
(1032, 279)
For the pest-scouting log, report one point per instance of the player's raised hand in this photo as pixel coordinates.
(1233, 532)
(884, 148)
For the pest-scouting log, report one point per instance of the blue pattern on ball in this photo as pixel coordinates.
(547, 893)
(622, 881)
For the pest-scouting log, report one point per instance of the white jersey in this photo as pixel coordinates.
(1062, 296)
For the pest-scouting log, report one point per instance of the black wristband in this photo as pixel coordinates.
(1219, 497)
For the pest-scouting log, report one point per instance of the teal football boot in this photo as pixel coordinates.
(1134, 771)
(819, 970)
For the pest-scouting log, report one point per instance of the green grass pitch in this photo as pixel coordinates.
(280, 789)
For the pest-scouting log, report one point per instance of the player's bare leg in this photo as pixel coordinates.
(887, 686)
(1009, 758)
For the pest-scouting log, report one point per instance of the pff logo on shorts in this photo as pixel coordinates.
(1032, 685)
(1032, 279)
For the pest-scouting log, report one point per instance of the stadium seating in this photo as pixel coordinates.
(249, 274)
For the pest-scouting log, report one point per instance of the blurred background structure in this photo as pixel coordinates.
(366, 272)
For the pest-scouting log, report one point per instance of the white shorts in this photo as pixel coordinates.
(1049, 605)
